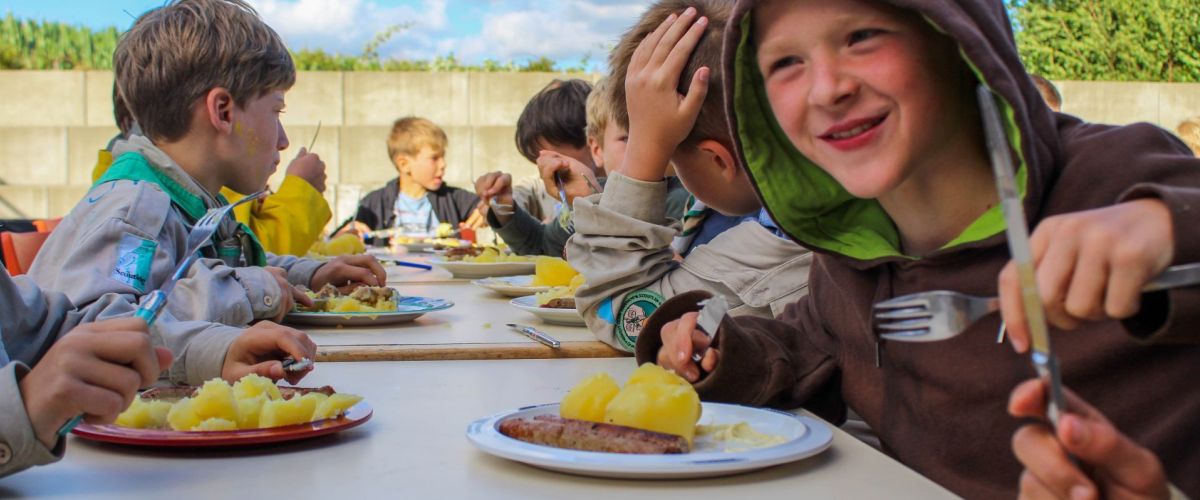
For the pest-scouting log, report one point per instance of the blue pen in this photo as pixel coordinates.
(417, 265)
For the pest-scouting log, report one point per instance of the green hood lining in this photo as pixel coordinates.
(809, 204)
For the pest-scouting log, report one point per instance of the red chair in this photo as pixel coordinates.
(20, 249)
(46, 225)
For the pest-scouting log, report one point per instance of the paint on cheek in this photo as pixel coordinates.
(247, 135)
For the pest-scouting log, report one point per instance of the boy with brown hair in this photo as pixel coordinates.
(858, 123)
(205, 80)
(417, 200)
(625, 245)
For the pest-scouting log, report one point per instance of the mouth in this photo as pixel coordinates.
(853, 133)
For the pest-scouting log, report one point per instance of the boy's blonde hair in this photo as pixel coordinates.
(175, 54)
(1189, 131)
(410, 134)
(599, 110)
(711, 123)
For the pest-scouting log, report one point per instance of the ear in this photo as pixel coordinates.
(218, 105)
(721, 157)
(401, 161)
(596, 148)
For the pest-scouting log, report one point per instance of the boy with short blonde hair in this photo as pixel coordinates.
(859, 124)
(624, 244)
(205, 81)
(1189, 131)
(417, 200)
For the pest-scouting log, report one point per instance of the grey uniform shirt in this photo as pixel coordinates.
(31, 321)
(622, 246)
(127, 237)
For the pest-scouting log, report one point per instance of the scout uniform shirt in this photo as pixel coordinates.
(130, 232)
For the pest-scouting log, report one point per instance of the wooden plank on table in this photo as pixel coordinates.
(418, 352)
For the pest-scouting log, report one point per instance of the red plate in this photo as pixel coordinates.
(354, 417)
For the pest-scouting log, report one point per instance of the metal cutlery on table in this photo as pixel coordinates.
(942, 314)
(536, 335)
(199, 236)
(712, 310)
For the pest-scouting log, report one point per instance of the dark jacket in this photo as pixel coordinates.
(940, 407)
(450, 204)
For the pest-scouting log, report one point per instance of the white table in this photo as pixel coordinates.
(415, 447)
(472, 329)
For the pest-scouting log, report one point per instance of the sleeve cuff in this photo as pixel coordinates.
(200, 348)
(1184, 204)
(261, 289)
(16, 429)
(644, 201)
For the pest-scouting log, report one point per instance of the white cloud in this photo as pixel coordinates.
(473, 30)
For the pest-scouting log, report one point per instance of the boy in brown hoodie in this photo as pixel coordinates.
(858, 124)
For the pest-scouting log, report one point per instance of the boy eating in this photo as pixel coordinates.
(205, 80)
(858, 124)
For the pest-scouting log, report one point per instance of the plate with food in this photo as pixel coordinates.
(365, 306)
(557, 311)
(251, 411)
(653, 428)
(487, 262)
(511, 286)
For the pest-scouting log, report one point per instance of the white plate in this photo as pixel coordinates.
(568, 317)
(805, 437)
(484, 269)
(511, 286)
(407, 309)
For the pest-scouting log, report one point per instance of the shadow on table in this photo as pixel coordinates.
(254, 450)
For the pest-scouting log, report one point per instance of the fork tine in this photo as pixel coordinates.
(903, 302)
(900, 326)
(909, 313)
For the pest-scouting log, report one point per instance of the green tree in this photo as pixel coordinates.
(1122, 40)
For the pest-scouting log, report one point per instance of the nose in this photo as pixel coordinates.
(282, 143)
(831, 85)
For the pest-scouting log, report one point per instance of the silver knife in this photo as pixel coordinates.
(536, 334)
(711, 312)
(1042, 355)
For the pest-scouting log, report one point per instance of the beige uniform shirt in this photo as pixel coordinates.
(622, 246)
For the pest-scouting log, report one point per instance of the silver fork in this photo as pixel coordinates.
(941, 314)
(197, 238)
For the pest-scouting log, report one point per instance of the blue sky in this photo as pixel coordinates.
(564, 30)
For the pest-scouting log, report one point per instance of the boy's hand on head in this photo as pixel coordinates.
(1118, 467)
(681, 338)
(310, 167)
(348, 272)
(1091, 265)
(496, 186)
(659, 117)
(94, 370)
(261, 349)
(578, 179)
(289, 295)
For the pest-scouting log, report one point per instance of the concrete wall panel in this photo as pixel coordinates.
(41, 98)
(60, 200)
(98, 103)
(1111, 102)
(23, 202)
(1177, 102)
(316, 97)
(498, 98)
(83, 144)
(326, 147)
(377, 98)
(362, 155)
(33, 156)
(495, 150)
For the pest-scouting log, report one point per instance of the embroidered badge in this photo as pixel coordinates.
(636, 308)
(134, 257)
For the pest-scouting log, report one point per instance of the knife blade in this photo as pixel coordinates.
(1042, 355)
(712, 310)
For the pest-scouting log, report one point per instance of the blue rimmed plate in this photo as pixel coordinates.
(407, 309)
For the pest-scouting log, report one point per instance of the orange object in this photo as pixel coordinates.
(20, 249)
(46, 225)
(467, 233)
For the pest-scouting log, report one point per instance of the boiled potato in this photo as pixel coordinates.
(215, 400)
(335, 405)
(666, 408)
(182, 417)
(589, 398)
(216, 424)
(145, 414)
(253, 385)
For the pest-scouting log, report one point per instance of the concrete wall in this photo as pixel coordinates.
(52, 123)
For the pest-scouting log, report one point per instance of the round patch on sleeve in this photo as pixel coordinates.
(636, 307)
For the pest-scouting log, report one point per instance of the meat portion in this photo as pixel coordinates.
(327, 291)
(458, 253)
(560, 303)
(569, 433)
(372, 295)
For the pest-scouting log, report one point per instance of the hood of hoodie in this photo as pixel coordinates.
(813, 209)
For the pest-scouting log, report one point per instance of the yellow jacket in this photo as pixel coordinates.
(286, 222)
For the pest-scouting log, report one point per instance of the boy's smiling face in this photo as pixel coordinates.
(258, 137)
(869, 93)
